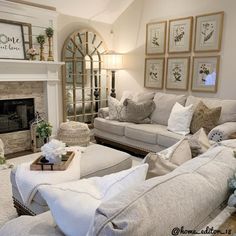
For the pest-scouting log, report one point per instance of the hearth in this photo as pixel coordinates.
(15, 114)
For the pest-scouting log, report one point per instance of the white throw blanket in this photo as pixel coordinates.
(28, 181)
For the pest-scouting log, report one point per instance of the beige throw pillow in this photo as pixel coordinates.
(167, 160)
(199, 143)
(204, 117)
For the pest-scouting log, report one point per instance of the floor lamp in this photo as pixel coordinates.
(112, 61)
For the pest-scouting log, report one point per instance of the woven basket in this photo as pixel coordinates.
(74, 133)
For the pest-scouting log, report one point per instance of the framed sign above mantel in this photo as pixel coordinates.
(12, 39)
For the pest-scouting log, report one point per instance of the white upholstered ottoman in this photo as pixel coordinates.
(96, 160)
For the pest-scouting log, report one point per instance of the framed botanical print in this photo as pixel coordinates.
(208, 32)
(180, 35)
(12, 45)
(156, 38)
(177, 75)
(205, 74)
(154, 72)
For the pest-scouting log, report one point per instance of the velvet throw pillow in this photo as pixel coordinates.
(164, 162)
(138, 112)
(204, 117)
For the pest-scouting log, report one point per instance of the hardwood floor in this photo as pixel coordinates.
(18, 154)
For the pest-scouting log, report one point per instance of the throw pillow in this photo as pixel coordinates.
(180, 119)
(199, 143)
(138, 112)
(73, 204)
(204, 117)
(143, 96)
(116, 109)
(164, 104)
(167, 160)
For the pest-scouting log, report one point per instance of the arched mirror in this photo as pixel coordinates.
(85, 85)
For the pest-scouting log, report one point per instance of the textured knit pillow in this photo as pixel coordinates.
(116, 109)
(204, 117)
(138, 112)
(167, 160)
(199, 143)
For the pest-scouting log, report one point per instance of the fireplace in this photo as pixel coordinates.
(15, 114)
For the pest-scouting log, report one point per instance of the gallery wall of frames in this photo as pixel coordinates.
(176, 47)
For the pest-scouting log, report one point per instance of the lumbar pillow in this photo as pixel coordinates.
(116, 109)
(163, 162)
(73, 204)
(138, 112)
(180, 119)
(204, 117)
(199, 143)
(164, 104)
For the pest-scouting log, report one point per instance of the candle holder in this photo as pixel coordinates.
(41, 41)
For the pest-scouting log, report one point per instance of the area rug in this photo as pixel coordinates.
(7, 210)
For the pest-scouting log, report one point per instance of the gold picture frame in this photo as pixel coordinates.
(177, 73)
(156, 38)
(205, 73)
(180, 35)
(154, 72)
(208, 32)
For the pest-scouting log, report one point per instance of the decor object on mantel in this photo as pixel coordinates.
(32, 52)
(112, 61)
(74, 133)
(12, 40)
(41, 40)
(49, 32)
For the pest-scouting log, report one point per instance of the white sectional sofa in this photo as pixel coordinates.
(143, 138)
(190, 196)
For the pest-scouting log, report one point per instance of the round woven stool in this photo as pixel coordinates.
(74, 133)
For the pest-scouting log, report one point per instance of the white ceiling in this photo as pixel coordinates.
(106, 11)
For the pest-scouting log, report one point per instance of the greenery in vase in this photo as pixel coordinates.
(44, 129)
(41, 39)
(49, 32)
(2, 160)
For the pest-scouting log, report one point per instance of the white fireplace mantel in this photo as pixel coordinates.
(23, 70)
(45, 71)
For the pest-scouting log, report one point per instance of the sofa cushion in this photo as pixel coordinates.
(164, 103)
(228, 112)
(111, 126)
(152, 133)
(184, 197)
(73, 204)
(204, 117)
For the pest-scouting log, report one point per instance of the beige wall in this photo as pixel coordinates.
(67, 25)
(130, 38)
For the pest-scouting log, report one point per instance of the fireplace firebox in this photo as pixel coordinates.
(15, 114)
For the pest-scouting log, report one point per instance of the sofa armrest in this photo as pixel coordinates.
(222, 132)
(103, 112)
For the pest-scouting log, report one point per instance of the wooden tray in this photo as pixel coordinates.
(65, 161)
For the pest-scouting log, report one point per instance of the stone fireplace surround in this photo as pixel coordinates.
(30, 79)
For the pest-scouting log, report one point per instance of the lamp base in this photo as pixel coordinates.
(113, 94)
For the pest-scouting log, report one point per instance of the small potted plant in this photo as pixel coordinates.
(44, 130)
(32, 52)
(49, 32)
(41, 40)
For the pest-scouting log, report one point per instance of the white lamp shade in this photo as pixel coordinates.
(112, 61)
